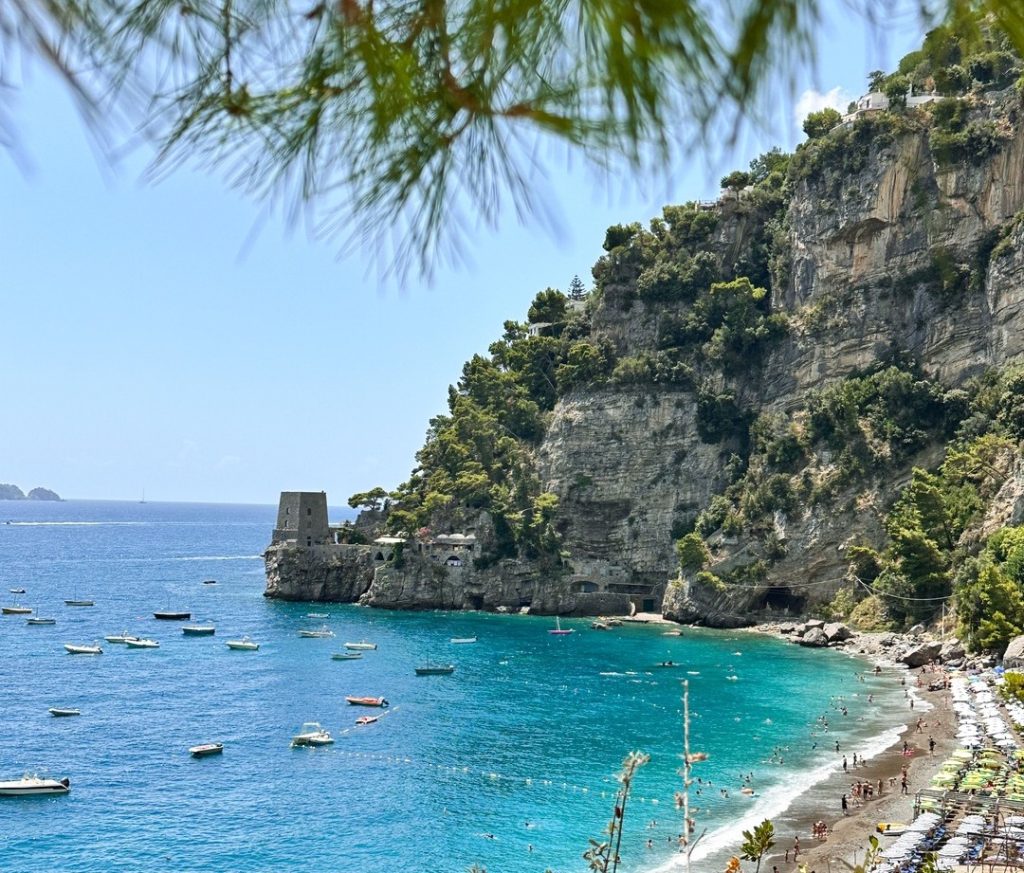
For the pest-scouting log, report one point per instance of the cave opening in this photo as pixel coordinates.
(782, 599)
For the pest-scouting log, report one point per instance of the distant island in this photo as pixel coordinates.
(13, 492)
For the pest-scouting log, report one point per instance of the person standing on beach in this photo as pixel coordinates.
(796, 847)
(903, 784)
(846, 806)
(845, 768)
(931, 745)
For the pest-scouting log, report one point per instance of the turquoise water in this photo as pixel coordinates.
(516, 750)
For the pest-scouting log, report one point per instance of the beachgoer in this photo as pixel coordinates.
(931, 745)
(880, 784)
(846, 810)
(845, 768)
(796, 847)
(903, 784)
(854, 759)
(837, 745)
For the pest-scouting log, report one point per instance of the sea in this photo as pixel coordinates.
(509, 763)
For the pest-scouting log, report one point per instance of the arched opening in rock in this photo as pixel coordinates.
(476, 601)
(782, 599)
(586, 587)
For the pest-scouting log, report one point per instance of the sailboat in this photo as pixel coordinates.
(143, 496)
(557, 629)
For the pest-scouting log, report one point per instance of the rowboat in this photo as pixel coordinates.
(83, 650)
(139, 643)
(58, 712)
(206, 749)
(16, 590)
(15, 610)
(361, 647)
(31, 786)
(122, 637)
(367, 719)
(199, 630)
(311, 734)
(463, 639)
(346, 656)
(366, 701)
(244, 645)
(439, 670)
(79, 602)
(316, 634)
(209, 581)
(37, 621)
(172, 616)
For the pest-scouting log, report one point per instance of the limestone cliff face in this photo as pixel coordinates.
(880, 250)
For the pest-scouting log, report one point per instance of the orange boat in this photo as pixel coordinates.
(366, 701)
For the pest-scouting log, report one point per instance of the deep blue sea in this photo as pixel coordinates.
(509, 763)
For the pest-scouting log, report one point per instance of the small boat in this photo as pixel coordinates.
(172, 616)
(316, 634)
(244, 645)
(557, 629)
(367, 719)
(16, 590)
(891, 828)
(15, 610)
(318, 615)
(366, 701)
(311, 734)
(79, 602)
(204, 750)
(30, 786)
(346, 656)
(122, 637)
(747, 790)
(361, 647)
(209, 581)
(37, 620)
(600, 625)
(439, 670)
(83, 650)
(672, 665)
(463, 639)
(58, 712)
(141, 643)
(199, 630)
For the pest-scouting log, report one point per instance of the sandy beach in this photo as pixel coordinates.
(848, 835)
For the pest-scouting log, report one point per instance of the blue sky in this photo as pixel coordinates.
(172, 337)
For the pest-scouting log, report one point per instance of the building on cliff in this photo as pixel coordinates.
(302, 519)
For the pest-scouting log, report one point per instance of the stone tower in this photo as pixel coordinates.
(302, 518)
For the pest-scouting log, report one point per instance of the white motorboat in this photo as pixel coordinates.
(361, 646)
(122, 637)
(72, 649)
(39, 621)
(79, 602)
(346, 656)
(244, 645)
(32, 786)
(204, 750)
(317, 634)
(138, 643)
(63, 712)
(311, 734)
(463, 640)
(199, 630)
(16, 590)
(318, 615)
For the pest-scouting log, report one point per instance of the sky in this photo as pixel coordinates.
(174, 338)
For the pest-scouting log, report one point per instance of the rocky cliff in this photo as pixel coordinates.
(767, 372)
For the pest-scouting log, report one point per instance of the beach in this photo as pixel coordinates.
(847, 838)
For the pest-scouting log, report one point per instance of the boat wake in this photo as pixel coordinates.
(773, 803)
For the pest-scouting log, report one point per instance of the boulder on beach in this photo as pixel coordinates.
(836, 632)
(813, 623)
(952, 650)
(918, 656)
(916, 630)
(1013, 657)
(787, 627)
(814, 637)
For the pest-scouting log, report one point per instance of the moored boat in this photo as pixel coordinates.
(30, 786)
(16, 590)
(463, 639)
(79, 602)
(38, 620)
(72, 649)
(311, 734)
(367, 719)
(436, 670)
(361, 646)
(244, 645)
(122, 637)
(346, 656)
(172, 616)
(204, 750)
(15, 610)
(317, 634)
(61, 712)
(142, 643)
(199, 630)
(557, 630)
(366, 701)
(209, 581)
(318, 615)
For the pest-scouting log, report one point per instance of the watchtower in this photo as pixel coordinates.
(302, 518)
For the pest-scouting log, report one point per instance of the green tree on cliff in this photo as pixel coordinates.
(817, 124)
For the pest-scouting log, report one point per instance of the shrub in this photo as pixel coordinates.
(870, 615)
(818, 124)
(692, 552)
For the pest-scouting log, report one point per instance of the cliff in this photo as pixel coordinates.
(797, 376)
